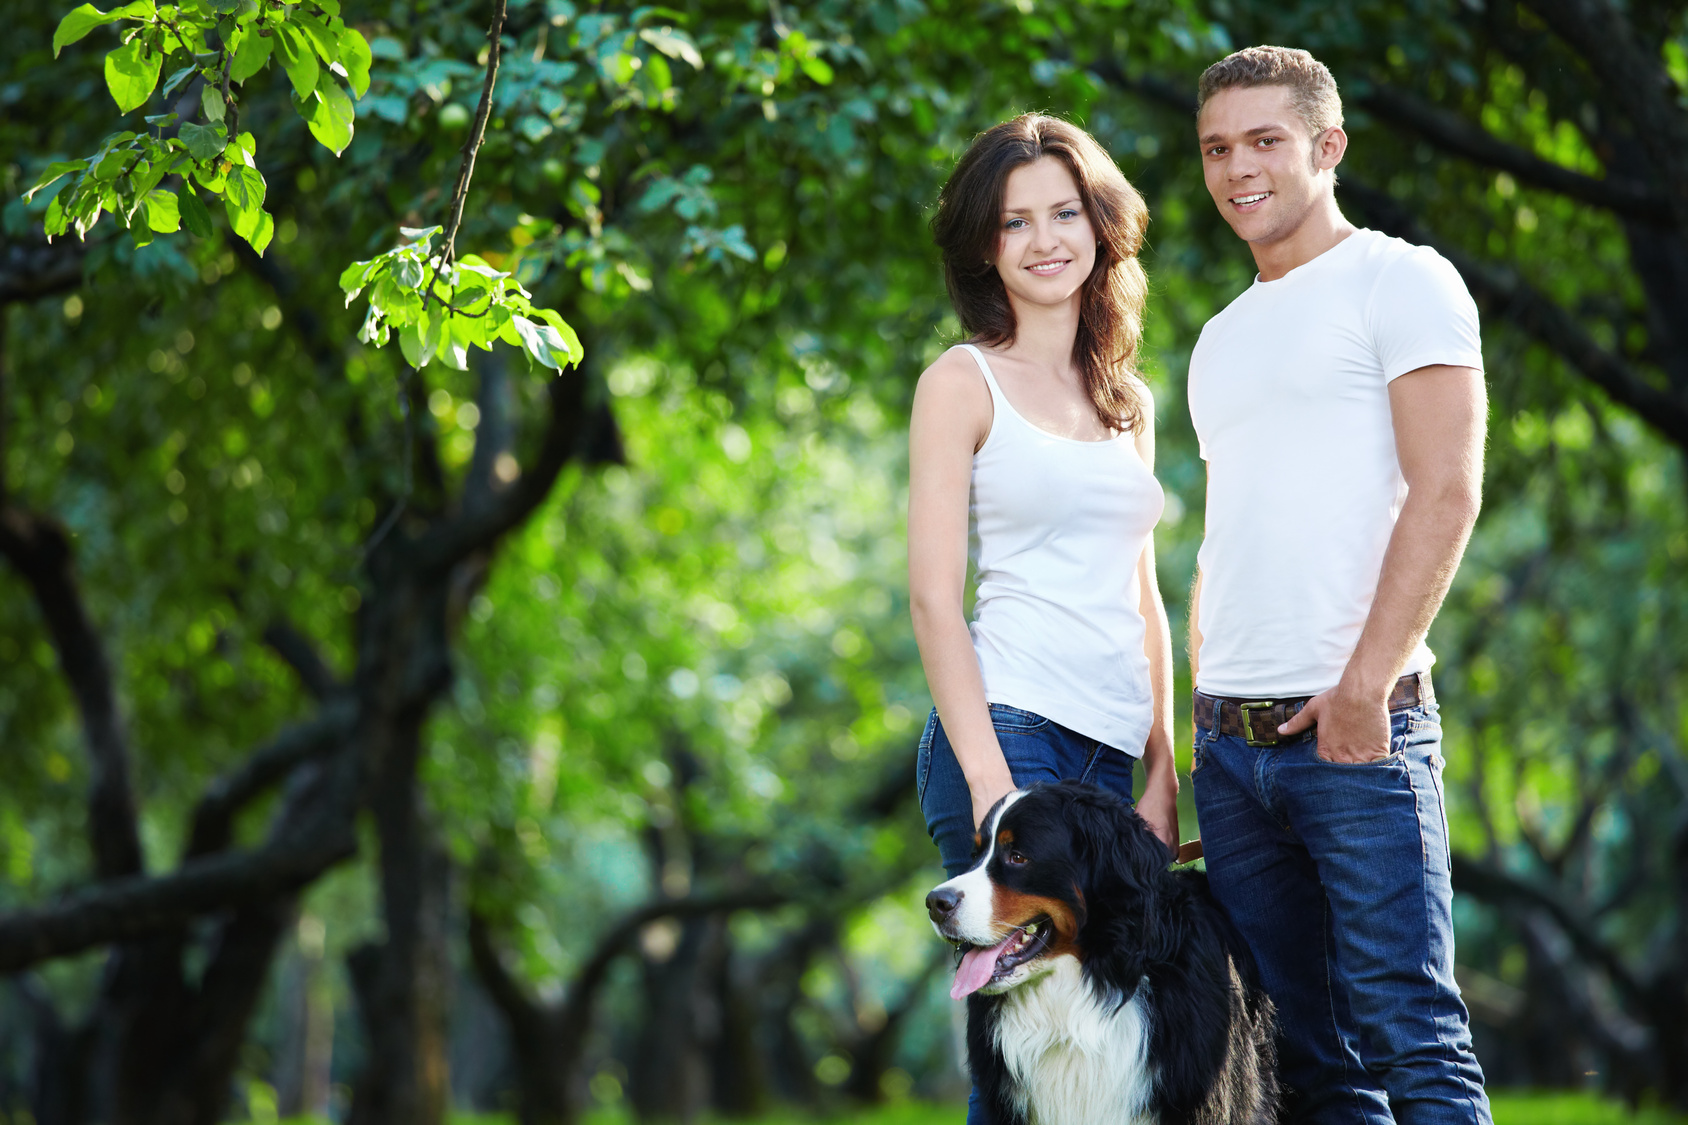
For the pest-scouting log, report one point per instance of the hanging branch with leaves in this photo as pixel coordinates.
(218, 45)
(442, 305)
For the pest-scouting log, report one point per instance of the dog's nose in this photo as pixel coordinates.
(941, 903)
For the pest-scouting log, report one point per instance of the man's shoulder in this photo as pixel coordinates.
(1384, 256)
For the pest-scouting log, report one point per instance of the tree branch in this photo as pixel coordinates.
(451, 540)
(301, 655)
(495, 434)
(40, 551)
(1635, 79)
(136, 907)
(1493, 885)
(267, 766)
(1509, 296)
(30, 272)
(1453, 133)
(466, 170)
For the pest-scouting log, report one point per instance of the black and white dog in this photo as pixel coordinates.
(1103, 988)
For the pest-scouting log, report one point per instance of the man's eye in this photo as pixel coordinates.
(1268, 142)
(1016, 859)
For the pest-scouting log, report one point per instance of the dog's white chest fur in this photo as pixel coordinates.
(1072, 1060)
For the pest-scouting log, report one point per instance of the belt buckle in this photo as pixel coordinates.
(1248, 723)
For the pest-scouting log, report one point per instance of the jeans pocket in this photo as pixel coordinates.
(923, 758)
(1004, 717)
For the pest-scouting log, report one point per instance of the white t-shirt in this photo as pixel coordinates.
(1289, 393)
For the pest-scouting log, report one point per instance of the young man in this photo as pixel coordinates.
(1340, 407)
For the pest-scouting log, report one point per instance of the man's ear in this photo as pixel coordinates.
(1329, 147)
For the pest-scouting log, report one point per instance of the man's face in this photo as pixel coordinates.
(1264, 171)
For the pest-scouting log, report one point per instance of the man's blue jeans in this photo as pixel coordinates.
(1036, 749)
(1338, 876)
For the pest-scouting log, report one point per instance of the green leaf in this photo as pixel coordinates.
(251, 56)
(131, 73)
(146, 174)
(203, 142)
(329, 113)
(298, 58)
(571, 339)
(817, 69)
(52, 172)
(211, 100)
(194, 215)
(245, 190)
(454, 340)
(77, 23)
(674, 43)
(541, 341)
(324, 42)
(56, 219)
(262, 233)
(354, 56)
(162, 211)
(410, 343)
(409, 273)
(177, 79)
(353, 278)
(114, 163)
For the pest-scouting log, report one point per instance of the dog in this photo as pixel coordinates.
(1102, 987)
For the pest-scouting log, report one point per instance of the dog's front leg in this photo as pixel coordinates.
(995, 1084)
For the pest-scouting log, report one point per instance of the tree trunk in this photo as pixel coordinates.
(668, 1078)
(404, 982)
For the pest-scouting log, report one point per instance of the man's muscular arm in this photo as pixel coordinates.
(1440, 414)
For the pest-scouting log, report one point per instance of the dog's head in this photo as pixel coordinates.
(1058, 866)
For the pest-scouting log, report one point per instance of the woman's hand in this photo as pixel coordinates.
(988, 790)
(1158, 806)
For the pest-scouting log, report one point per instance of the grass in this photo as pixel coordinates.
(1510, 1108)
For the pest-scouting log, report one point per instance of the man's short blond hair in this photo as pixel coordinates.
(1312, 89)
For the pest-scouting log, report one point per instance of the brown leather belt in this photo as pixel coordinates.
(1248, 719)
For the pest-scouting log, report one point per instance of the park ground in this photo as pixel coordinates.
(1510, 1108)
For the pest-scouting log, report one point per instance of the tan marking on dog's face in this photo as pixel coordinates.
(1005, 838)
(1011, 909)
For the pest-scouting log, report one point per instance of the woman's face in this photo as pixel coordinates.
(1046, 247)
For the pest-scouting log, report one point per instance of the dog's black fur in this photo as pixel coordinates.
(1138, 924)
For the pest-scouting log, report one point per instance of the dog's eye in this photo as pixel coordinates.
(1016, 859)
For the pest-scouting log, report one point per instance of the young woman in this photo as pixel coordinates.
(1036, 440)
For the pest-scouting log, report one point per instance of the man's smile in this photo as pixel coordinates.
(1242, 202)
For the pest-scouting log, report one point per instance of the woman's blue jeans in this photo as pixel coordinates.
(1036, 749)
(1338, 877)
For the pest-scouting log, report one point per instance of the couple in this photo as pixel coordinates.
(1339, 403)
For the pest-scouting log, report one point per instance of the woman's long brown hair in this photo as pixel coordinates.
(968, 229)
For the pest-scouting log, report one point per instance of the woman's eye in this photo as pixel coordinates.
(1067, 213)
(1015, 224)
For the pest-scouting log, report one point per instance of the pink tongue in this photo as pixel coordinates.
(975, 970)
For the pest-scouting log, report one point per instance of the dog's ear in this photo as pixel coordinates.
(1125, 857)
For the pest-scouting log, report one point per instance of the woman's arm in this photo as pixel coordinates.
(1159, 803)
(950, 420)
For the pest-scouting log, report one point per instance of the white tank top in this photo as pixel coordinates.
(1057, 526)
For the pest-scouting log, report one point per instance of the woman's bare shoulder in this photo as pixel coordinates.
(954, 377)
(951, 398)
